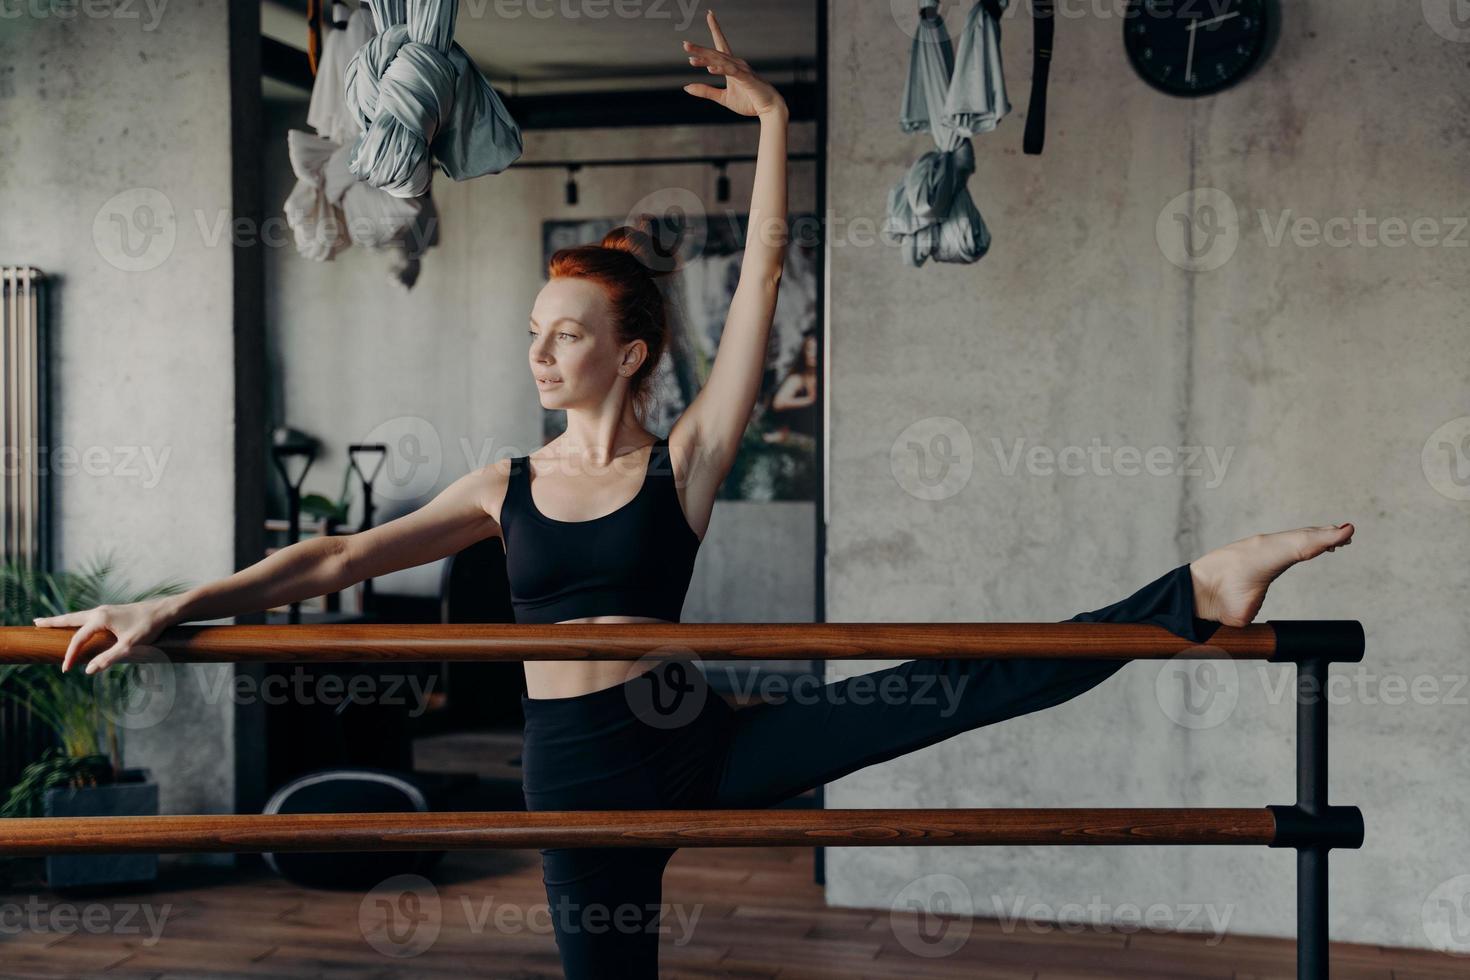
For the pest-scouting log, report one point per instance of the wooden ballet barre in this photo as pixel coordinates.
(1276, 640)
(634, 828)
(1311, 825)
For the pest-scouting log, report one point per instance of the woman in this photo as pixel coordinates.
(609, 535)
(794, 407)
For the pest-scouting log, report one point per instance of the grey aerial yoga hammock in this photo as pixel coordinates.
(329, 209)
(930, 211)
(417, 96)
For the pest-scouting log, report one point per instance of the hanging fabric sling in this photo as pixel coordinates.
(419, 98)
(1044, 22)
(330, 209)
(930, 211)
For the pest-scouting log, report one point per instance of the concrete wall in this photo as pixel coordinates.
(1324, 369)
(115, 172)
(355, 358)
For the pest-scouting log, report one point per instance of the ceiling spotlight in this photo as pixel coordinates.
(572, 184)
(722, 185)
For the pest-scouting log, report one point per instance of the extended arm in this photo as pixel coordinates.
(451, 522)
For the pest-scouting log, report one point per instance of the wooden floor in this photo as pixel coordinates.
(755, 913)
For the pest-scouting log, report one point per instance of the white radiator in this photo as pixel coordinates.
(22, 481)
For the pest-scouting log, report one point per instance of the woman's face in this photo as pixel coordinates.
(574, 357)
(809, 352)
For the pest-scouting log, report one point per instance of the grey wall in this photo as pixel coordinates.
(358, 359)
(1325, 370)
(115, 191)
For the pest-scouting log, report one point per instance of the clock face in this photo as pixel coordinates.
(1195, 47)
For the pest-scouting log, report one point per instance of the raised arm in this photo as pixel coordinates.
(713, 424)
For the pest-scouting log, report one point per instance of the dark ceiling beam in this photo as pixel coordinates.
(641, 107)
(575, 110)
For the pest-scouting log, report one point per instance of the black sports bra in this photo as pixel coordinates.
(636, 561)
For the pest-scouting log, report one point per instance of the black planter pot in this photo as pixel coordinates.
(134, 794)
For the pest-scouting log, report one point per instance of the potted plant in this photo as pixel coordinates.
(83, 774)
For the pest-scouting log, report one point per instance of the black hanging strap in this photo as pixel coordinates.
(1045, 22)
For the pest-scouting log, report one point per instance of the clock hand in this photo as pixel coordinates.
(1189, 61)
(1194, 26)
(1213, 20)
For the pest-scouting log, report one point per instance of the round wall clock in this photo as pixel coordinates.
(1195, 47)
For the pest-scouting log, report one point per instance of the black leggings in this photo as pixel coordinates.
(664, 740)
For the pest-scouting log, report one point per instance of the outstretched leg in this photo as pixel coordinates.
(777, 750)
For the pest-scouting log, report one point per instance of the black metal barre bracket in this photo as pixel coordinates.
(1336, 826)
(1335, 640)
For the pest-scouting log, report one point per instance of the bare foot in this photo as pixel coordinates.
(1230, 583)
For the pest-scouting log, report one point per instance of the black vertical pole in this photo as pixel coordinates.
(819, 667)
(1311, 798)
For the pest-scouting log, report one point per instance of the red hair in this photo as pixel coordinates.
(628, 265)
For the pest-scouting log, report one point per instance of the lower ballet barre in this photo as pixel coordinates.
(1310, 825)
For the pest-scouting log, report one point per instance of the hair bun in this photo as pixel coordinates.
(656, 258)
